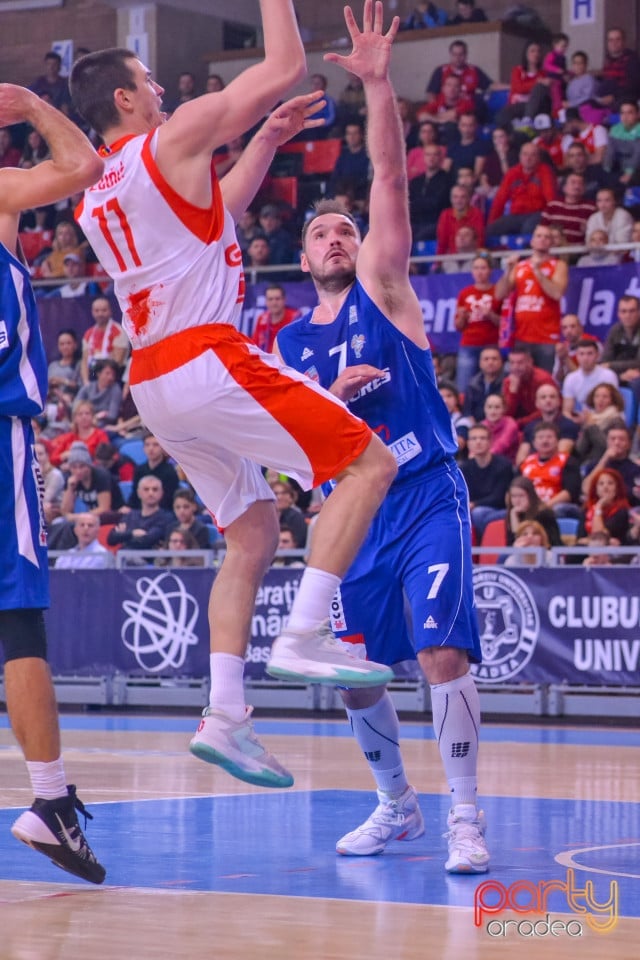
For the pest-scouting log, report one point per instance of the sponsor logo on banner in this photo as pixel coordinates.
(509, 624)
(159, 628)
(273, 605)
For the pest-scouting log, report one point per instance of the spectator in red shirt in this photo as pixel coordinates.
(447, 106)
(275, 317)
(549, 140)
(524, 79)
(528, 188)
(520, 386)
(459, 214)
(477, 319)
(9, 155)
(572, 212)
(472, 79)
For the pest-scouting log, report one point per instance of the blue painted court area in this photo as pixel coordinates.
(491, 733)
(283, 844)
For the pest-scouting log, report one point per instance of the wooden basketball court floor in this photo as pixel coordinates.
(200, 865)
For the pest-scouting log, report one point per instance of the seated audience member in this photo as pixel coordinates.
(407, 113)
(429, 195)
(274, 318)
(620, 74)
(523, 503)
(83, 430)
(470, 149)
(548, 140)
(621, 352)
(548, 410)
(467, 12)
(258, 254)
(64, 373)
(88, 487)
(472, 79)
(53, 480)
(598, 255)
(525, 96)
(185, 92)
(603, 406)
(571, 333)
(280, 241)
(119, 467)
(65, 242)
(89, 554)
(521, 385)
(51, 86)
(9, 155)
(352, 106)
(486, 382)
(572, 212)
(579, 384)
(607, 507)
(185, 520)
(594, 541)
(498, 161)
(459, 422)
(616, 221)
(527, 188)
(459, 214)
(104, 340)
(180, 540)
(425, 14)
(225, 158)
(555, 475)
(247, 229)
(529, 534)
(156, 465)
(73, 268)
(104, 393)
(477, 320)
(448, 106)
(214, 83)
(328, 112)
(466, 247)
(622, 156)
(617, 457)
(487, 476)
(351, 171)
(144, 528)
(286, 541)
(503, 429)
(554, 67)
(290, 515)
(576, 160)
(592, 136)
(427, 135)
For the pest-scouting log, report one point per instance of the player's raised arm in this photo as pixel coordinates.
(74, 164)
(209, 121)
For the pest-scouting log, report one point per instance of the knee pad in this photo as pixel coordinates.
(23, 634)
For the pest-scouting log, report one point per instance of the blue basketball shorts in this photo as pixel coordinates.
(417, 555)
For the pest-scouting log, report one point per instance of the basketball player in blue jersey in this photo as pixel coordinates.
(365, 340)
(51, 825)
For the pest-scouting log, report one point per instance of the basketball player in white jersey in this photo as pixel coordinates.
(163, 228)
(51, 824)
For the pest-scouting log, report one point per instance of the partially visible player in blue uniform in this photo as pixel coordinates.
(366, 341)
(51, 825)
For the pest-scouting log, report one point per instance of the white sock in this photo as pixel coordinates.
(377, 731)
(227, 685)
(48, 780)
(456, 721)
(313, 599)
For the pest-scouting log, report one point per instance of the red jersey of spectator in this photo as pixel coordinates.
(536, 315)
(469, 78)
(479, 332)
(527, 192)
(266, 331)
(552, 148)
(521, 405)
(449, 224)
(440, 105)
(522, 83)
(546, 475)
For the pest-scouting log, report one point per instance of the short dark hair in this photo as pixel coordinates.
(479, 426)
(584, 342)
(628, 102)
(546, 425)
(458, 43)
(323, 207)
(93, 82)
(184, 493)
(618, 424)
(52, 55)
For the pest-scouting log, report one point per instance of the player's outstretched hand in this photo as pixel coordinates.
(291, 117)
(369, 58)
(353, 379)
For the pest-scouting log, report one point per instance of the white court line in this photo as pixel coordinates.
(566, 859)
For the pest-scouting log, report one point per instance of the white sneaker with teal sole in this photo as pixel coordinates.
(317, 657)
(235, 747)
(393, 819)
(467, 848)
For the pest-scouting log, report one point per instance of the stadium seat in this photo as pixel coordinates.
(285, 190)
(568, 527)
(126, 486)
(34, 243)
(103, 533)
(424, 248)
(495, 535)
(496, 100)
(629, 405)
(134, 449)
(510, 241)
(320, 156)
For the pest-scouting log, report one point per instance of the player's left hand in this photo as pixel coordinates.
(353, 379)
(291, 117)
(369, 58)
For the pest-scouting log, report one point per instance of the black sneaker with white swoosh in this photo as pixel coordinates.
(52, 828)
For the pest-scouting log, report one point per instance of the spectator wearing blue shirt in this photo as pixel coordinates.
(425, 14)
